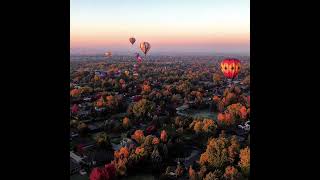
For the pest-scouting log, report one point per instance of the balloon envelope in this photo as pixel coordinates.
(75, 108)
(108, 54)
(145, 47)
(132, 40)
(139, 58)
(230, 68)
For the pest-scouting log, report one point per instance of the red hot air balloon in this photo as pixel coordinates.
(230, 68)
(145, 47)
(132, 40)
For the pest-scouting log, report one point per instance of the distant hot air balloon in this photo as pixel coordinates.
(102, 75)
(108, 54)
(230, 68)
(145, 47)
(139, 58)
(132, 40)
(75, 108)
(127, 73)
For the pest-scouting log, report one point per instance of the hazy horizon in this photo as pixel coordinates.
(101, 51)
(170, 26)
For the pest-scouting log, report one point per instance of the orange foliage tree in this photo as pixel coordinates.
(138, 136)
(126, 122)
(220, 152)
(155, 140)
(244, 162)
(192, 174)
(146, 88)
(213, 175)
(205, 125)
(123, 152)
(75, 92)
(231, 173)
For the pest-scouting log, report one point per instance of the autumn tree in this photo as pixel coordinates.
(103, 140)
(146, 88)
(231, 173)
(142, 107)
(219, 152)
(216, 99)
(155, 141)
(156, 158)
(233, 149)
(148, 144)
(193, 175)
(246, 80)
(179, 122)
(184, 87)
(216, 78)
(244, 162)
(126, 123)
(75, 92)
(163, 136)
(220, 106)
(198, 126)
(213, 175)
(209, 126)
(176, 98)
(83, 129)
(138, 136)
(179, 170)
(86, 89)
(243, 112)
(225, 119)
(74, 123)
(121, 166)
(99, 174)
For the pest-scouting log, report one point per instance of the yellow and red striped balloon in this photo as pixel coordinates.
(230, 68)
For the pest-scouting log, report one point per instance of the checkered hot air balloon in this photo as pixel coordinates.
(230, 68)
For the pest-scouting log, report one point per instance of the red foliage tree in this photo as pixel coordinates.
(99, 174)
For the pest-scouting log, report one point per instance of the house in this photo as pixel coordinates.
(74, 166)
(84, 114)
(182, 108)
(93, 128)
(88, 99)
(84, 142)
(99, 157)
(182, 114)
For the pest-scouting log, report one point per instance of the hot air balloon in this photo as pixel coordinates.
(139, 58)
(132, 40)
(127, 73)
(230, 68)
(74, 108)
(108, 54)
(135, 67)
(145, 47)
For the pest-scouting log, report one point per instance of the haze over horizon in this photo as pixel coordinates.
(170, 26)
